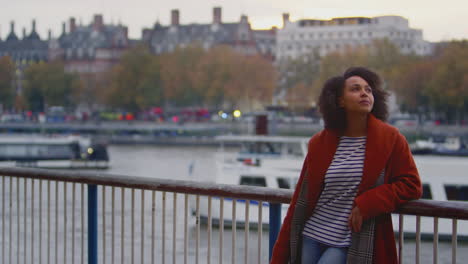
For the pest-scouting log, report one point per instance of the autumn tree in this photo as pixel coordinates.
(47, 84)
(135, 83)
(7, 75)
(448, 85)
(178, 75)
(411, 81)
(226, 78)
(297, 78)
(256, 80)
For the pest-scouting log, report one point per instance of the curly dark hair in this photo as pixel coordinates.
(335, 116)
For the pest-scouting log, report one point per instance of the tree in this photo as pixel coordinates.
(7, 75)
(47, 84)
(448, 85)
(178, 74)
(135, 83)
(411, 82)
(297, 79)
(225, 78)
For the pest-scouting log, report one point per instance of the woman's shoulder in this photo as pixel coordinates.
(322, 137)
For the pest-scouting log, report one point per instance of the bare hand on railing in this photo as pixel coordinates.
(355, 220)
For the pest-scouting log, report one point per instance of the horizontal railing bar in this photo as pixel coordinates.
(442, 209)
(167, 185)
(431, 208)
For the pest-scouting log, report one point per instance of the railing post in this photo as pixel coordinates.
(92, 224)
(275, 224)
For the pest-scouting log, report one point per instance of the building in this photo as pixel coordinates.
(239, 35)
(325, 36)
(24, 51)
(92, 48)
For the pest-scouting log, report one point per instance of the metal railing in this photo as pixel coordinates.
(145, 220)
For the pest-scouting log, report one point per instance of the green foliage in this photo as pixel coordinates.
(135, 83)
(47, 84)
(7, 75)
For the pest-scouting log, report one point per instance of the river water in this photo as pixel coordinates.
(168, 163)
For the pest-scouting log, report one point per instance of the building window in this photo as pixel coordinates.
(311, 35)
(370, 34)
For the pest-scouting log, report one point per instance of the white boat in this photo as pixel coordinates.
(264, 161)
(275, 162)
(52, 152)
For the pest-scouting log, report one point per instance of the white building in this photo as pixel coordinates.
(325, 36)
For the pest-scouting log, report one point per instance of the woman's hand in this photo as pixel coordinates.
(355, 220)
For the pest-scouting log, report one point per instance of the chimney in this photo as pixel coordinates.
(217, 15)
(72, 24)
(63, 28)
(24, 33)
(49, 34)
(244, 19)
(175, 17)
(98, 22)
(285, 19)
(12, 27)
(125, 29)
(34, 25)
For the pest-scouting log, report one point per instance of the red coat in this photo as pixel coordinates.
(385, 148)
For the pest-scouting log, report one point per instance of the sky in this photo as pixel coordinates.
(439, 20)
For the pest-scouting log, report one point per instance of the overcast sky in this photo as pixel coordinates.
(439, 20)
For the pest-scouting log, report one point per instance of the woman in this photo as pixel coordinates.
(357, 170)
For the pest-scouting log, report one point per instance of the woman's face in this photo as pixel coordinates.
(357, 96)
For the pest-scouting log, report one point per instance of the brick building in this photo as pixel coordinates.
(239, 35)
(92, 48)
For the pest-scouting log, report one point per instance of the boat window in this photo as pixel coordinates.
(253, 181)
(294, 149)
(456, 192)
(284, 183)
(427, 193)
(60, 151)
(261, 148)
(14, 150)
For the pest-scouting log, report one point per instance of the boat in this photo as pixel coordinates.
(52, 152)
(275, 162)
(442, 145)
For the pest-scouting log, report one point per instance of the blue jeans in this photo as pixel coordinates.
(314, 252)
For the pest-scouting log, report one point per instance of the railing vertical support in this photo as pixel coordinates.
(275, 224)
(92, 224)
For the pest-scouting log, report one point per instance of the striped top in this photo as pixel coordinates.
(329, 221)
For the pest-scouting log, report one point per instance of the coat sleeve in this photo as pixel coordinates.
(403, 185)
(281, 249)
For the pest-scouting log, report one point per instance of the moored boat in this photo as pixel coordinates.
(52, 152)
(275, 162)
